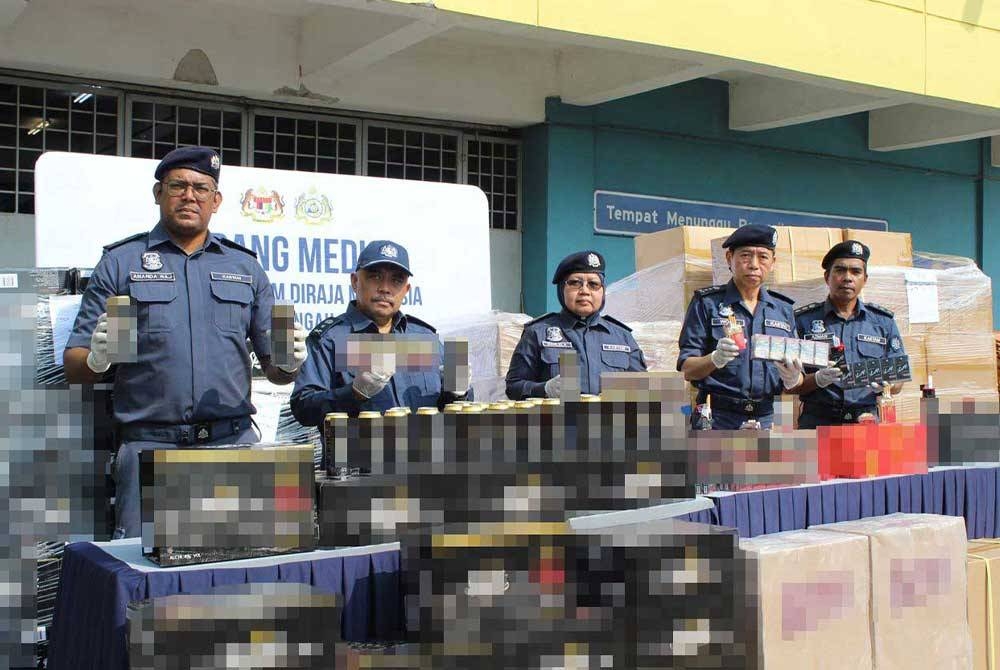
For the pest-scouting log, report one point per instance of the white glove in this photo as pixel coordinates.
(724, 352)
(791, 372)
(553, 387)
(827, 376)
(369, 384)
(876, 388)
(97, 359)
(299, 352)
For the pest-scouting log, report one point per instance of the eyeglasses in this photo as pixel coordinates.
(177, 188)
(577, 284)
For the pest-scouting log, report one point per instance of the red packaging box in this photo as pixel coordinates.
(872, 450)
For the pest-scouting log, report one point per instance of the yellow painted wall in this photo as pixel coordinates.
(943, 48)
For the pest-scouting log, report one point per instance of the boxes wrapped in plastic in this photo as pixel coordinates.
(659, 343)
(811, 590)
(918, 577)
(691, 245)
(886, 248)
(492, 338)
(963, 364)
(660, 292)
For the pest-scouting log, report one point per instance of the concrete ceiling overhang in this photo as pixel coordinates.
(413, 59)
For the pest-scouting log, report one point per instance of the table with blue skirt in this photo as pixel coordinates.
(99, 579)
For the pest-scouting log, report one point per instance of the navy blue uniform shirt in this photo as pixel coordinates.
(870, 333)
(322, 387)
(195, 314)
(743, 377)
(603, 344)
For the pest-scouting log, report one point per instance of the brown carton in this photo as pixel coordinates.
(811, 589)
(963, 364)
(886, 248)
(690, 243)
(983, 573)
(918, 576)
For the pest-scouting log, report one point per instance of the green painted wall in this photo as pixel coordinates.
(675, 142)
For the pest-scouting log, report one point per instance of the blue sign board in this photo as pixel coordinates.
(631, 214)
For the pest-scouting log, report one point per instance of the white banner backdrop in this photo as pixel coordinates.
(307, 228)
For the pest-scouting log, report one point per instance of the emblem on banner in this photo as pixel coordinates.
(313, 208)
(856, 249)
(725, 310)
(593, 261)
(262, 206)
(553, 334)
(388, 251)
(818, 326)
(151, 261)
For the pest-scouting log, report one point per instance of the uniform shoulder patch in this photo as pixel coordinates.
(325, 325)
(537, 319)
(806, 308)
(130, 238)
(709, 290)
(880, 309)
(617, 322)
(413, 319)
(239, 247)
(781, 296)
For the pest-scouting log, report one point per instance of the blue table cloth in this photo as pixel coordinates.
(99, 579)
(970, 492)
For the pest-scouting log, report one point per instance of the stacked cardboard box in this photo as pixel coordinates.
(492, 338)
(984, 597)
(659, 343)
(918, 600)
(811, 591)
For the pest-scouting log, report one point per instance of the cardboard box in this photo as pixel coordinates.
(963, 364)
(918, 577)
(690, 243)
(886, 248)
(983, 575)
(811, 589)
(798, 254)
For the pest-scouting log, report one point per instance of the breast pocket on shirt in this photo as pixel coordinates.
(550, 361)
(153, 304)
(871, 350)
(231, 305)
(615, 360)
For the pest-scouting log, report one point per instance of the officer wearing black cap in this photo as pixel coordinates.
(604, 344)
(199, 298)
(865, 330)
(380, 281)
(741, 388)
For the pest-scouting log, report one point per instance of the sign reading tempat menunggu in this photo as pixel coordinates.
(632, 214)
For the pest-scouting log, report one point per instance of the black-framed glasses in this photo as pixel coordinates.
(591, 284)
(176, 188)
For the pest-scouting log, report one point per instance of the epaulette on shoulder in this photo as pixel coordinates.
(880, 309)
(537, 319)
(239, 247)
(130, 238)
(709, 290)
(325, 325)
(413, 319)
(781, 296)
(617, 322)
(806, 308)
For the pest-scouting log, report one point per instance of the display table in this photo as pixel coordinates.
(970, 492)
(99, 579)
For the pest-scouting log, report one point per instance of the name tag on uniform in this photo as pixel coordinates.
(781, 325)
(873, 339)
(719, 321)
(557, 345)
(617, 347)
(227, 276)
(818, 336)
(151, 276)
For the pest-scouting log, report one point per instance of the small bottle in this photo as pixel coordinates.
(705, 409)
(887, 405)
(927, 390)
(734, 330)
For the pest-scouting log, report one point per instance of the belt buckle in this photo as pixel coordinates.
(748, 407)
(202, 432)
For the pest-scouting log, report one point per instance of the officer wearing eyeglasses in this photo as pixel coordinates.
(199, 297)
(603, 343)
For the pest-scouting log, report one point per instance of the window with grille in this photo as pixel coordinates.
(158, 127)
(34, 119)
(402, 153)
(310, 145)
(494, 166)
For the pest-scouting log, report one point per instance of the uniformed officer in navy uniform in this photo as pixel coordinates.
(380, 281)
(741, 387)
(199, 297)
(603, 343)
(866, 330)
